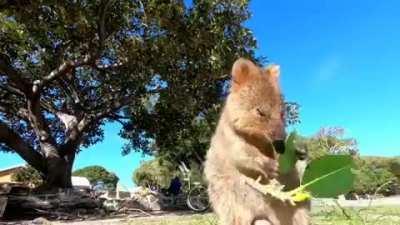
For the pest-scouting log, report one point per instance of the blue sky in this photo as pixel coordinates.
(339, 60)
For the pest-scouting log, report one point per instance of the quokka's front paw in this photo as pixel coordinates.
(270, 167)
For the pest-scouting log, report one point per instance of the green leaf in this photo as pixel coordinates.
(329, 176)
(288, 159)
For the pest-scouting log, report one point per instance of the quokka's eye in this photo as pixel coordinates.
(260, 112)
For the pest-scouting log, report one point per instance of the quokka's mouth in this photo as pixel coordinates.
(279, 146)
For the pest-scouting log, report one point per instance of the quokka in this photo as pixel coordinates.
(242, 145)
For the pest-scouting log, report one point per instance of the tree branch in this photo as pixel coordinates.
(117, 118)
(71, 92)
(15, 142)
(12, 108)
(67, 66)
(16, 78)
(12, 90)
(48, 106)
(63, 69)
(110, 66)
(70, 121)
(102, 35)
(20, 113)
(74, 138)
(41, 128)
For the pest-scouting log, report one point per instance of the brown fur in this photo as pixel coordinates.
(242, 146)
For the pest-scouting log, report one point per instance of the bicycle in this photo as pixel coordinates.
(192, 194)
(196, 195)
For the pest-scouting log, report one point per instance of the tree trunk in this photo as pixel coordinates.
(58, 174)
(58, 169)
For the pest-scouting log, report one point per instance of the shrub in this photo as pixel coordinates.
(374, 175)
(97, 173)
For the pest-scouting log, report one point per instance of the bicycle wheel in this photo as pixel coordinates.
(197, 199)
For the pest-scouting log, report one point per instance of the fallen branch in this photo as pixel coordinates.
(136, 209)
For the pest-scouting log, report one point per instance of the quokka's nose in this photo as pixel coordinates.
(279, 146)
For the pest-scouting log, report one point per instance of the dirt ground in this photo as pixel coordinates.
(387, 201)
(129, 219)
(112, 220)
(144, 218)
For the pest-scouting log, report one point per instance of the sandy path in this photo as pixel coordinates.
(388, 201)
(141, 218)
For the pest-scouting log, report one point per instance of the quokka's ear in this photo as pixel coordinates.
(273, 70)
(243, 70)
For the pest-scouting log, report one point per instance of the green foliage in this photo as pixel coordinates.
(395, 166)
(329, 176)
(28, 175)
(192, 143)
(374, 176)
(159, 172)
(155, 172)
(195, 172)
(158, 67)
(97, 173)
(194, 54)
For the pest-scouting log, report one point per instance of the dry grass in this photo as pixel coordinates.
(321, 216)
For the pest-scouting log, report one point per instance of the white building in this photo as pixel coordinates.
(81, 183)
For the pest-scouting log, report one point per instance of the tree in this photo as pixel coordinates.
(28, 175)
(159, 172)
(374, 176)
(328, 140)
(211, 38)
(154, 172)
(68, 67)
(331, 138)
(97, 173)
(395, 166)
(190, 145)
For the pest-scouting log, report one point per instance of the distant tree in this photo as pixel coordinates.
(29, 176)
(159, 172)
(374, 176)
(97, 173)
(395, 167)
(332, 139)
(328, 140)
(155, 172)
(68, 67)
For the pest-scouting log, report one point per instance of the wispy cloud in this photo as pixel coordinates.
(327, 70)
